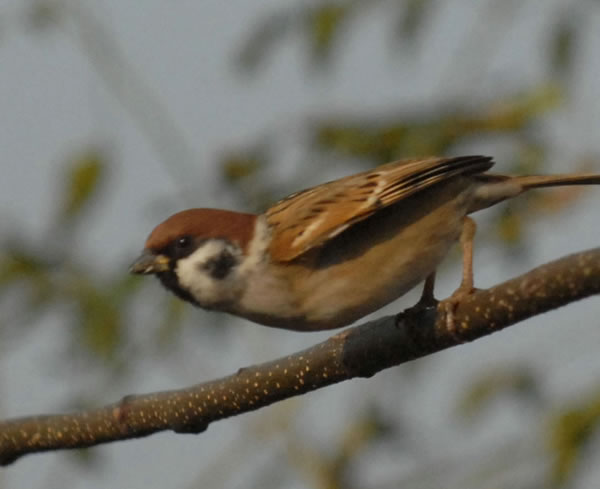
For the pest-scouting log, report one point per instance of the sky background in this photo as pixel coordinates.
(196, 105)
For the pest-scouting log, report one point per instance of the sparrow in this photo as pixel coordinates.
(325, 257)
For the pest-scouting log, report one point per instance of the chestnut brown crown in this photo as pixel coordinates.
(205, 224)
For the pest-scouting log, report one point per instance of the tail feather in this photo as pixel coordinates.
(496, 188)
(538, 181)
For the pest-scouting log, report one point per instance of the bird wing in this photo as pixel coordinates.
(310, 218)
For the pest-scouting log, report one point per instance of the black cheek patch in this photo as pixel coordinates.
(219, 266)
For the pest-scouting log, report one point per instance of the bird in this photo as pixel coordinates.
(324, 257)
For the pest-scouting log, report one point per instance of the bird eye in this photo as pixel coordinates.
(183, 243)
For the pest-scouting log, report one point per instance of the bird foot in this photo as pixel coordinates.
(450, 305)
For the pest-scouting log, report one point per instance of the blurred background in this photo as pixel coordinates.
(114, 114)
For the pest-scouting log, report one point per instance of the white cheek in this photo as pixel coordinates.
(192, 276)
(193, 279)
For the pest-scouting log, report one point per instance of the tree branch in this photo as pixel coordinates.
(360, 351)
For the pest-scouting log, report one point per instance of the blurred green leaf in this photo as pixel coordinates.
(515, 112)
(570, 433)
(510, 225)
(86, 458)
(170, 326)
(368, 427)
(529, 159)
(44, 14)
(19, 267)
(245, 170)
(324, 23)
(520, 383)
(124, 287)
(98, 317)
(266, 35)
(434, 134)
(412, 17)
(321, 23)
(562, 45)
(83, 177)
(330, 469)
(238, 167)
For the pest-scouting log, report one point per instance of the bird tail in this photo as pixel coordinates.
(539, 181)
(496, 188)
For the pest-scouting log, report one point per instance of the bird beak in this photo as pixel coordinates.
(149, 262)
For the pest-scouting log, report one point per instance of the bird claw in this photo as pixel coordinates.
(450, 306)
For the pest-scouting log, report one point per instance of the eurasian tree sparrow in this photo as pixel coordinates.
(327, 256)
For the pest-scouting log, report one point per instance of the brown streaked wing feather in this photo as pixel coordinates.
(308, 219)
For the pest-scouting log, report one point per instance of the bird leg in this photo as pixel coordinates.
(427, 298)
(466, 287)
(426, 302)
